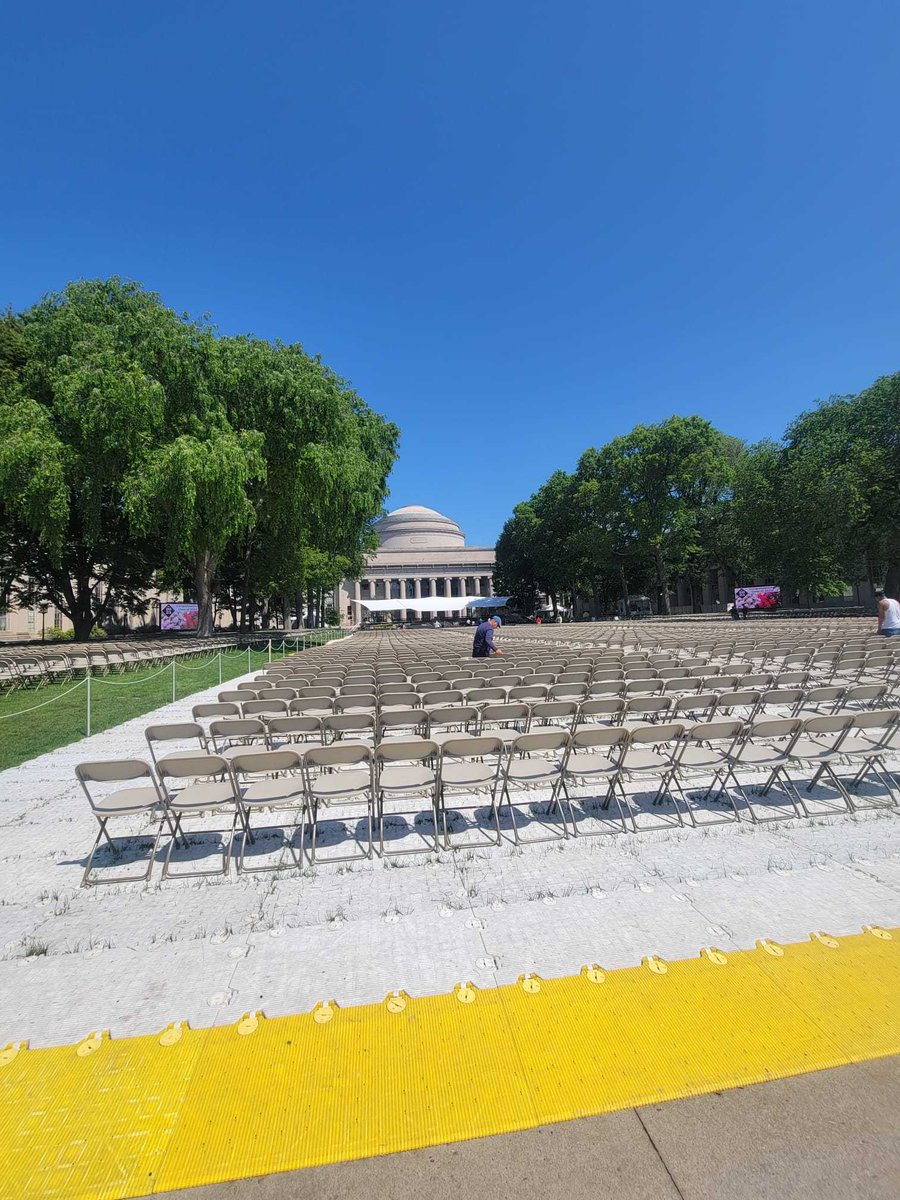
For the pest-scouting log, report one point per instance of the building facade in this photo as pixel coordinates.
(422, 553)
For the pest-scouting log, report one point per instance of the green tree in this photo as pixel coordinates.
(84, 383)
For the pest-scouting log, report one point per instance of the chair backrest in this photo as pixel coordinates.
(740, 698)
(568, 691)
(291, 727)
(452, 717)
(194, 766)
(450, 696)
(254, 686)
(239, 729)
(555, 711)
(485, 695)
(505, 714)
(413, 750)
(644, 687)
(657, 734)
(317, 692)
(612, 706)
(358, 689)
(715, 731)
(876, 718)
(269, 707)
(113, 770)
(472, 747)
(354, 704)
(342, 723)
(387, 689)
(774, 727)
(403, 718)
(232, 696)
(603, 736)
(832, 723)
(539, 742)
(432, 685)
(698, 702)
(528, 692)
(865, 691)
(338, 754)
(265, 762)
(279, 693)
(647, 704)
(215, 710)
(298, 708)
(176, 731)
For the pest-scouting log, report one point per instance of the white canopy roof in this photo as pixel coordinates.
(431, 603)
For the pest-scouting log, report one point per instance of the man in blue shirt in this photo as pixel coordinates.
(483, 644)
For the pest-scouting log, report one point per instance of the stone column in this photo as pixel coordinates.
(403, 596)
(356, 609)
(490, 585)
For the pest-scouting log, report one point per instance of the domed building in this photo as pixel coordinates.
(422, 554)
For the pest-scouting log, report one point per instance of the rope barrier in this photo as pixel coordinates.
(44, 703)
(130, 682)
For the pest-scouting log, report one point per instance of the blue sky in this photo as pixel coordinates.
(517, 228)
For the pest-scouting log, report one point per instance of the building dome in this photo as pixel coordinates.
(418, 528)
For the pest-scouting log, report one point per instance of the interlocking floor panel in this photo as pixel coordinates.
(130, 1117)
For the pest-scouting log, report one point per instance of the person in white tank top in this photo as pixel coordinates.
(888, 614)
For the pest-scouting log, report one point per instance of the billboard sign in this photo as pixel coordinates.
(765, 598)
(178, 618)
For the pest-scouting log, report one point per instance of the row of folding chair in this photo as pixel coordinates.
(487, 770)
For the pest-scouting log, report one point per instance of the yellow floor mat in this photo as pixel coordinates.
(120, 1118)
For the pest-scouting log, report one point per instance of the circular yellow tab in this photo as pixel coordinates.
(8, 1053)
(594, 974)
(323, 1013)
(91, 1043)
(877, 931)
(771, 948)
(465, 994)
(827, 940)
(656, 965)
(396, 1003)
(716, 956)
(171, 1035)
(530, 984)
(249, 1023)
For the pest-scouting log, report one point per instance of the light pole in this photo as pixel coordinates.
(44, 607)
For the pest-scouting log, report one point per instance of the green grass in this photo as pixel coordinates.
(114, 698)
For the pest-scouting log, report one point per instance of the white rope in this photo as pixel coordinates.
(130, 682)
(44, 703)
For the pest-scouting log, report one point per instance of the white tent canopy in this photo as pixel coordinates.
(430, 603)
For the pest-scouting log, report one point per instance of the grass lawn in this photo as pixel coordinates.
(114, 699)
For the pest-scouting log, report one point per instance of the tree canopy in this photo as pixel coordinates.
(138, 448)
(814, 511)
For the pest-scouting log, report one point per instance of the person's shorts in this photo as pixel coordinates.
(890, 632)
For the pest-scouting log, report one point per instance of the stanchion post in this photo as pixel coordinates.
(270, 649)
(173, 680)
(249, 668)
(88, 681)
(220, 667)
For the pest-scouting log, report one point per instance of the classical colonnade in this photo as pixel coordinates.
(417, 587)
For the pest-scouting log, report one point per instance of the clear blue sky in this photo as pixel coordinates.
(517, 228)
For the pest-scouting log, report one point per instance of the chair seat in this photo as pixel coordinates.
(532, 770)
(591, 764)
(505, 735)
(404, 777)
(341, 783)
(758, 756)
(467, 774)
(645, 760)
(446, 735)
(128, 800)
(698, 758)
(273, 793)
(198, 796)
(807, 750)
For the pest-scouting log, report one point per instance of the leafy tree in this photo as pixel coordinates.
(83, 392)
(655, 483)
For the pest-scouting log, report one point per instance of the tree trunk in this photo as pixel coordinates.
(285, 612)
(892, 581)
(204, 578)
(662, 579)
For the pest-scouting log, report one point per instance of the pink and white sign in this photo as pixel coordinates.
(765, 598)
(178, 618)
